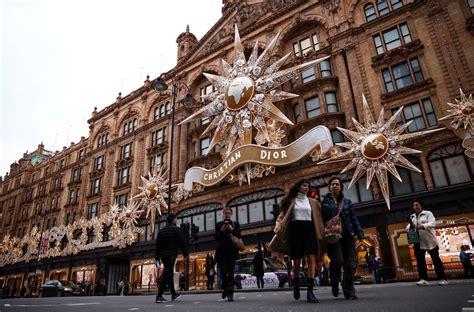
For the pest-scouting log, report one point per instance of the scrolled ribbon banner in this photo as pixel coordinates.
(263, 155)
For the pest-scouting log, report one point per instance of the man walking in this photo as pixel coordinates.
(167, 243)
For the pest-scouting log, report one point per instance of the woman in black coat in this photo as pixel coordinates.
(258, 269)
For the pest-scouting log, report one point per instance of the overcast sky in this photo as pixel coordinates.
(60, 58)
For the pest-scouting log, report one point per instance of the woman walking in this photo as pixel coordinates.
(299, 231)
(424, 222)
(341, 253)
(258, 269)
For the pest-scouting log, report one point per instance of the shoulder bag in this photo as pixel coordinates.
(333, 228)
(237, 242)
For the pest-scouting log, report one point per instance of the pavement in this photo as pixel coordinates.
(457, 296)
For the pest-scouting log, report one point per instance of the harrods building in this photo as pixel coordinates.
(395, 52)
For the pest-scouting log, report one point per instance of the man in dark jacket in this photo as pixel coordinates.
(226, 252)
(167, 243)
(342, 253)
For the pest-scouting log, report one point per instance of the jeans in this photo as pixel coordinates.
(342, 254)
(227, 266)
(167, 278)
(421, 262)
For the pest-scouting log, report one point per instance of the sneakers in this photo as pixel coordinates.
(160, 299)
(443, 282)
(422, 282)
(175, 297)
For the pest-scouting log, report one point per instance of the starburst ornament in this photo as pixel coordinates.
(154, 193)
(244, 98)
(462, 116)
(376, 148)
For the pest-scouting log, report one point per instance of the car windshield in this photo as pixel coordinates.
(277, 264)
(67, 283)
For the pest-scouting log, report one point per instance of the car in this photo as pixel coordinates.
(276, 274)
(57, 288)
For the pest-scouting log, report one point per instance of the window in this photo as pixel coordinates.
(357, 193)
(208, 89)
(95, 187)
(369, 11)
(72, 196)
(305, 45)
(46, 171)
(81, 154)
(62, 163)
(256, 207)
(471, 5)
(312, 107)
(123, 176)
(337, 136)
(204, 146)
(422, 114)
(297, 113)
(383, 7)
(130, 126)
(412, 181)
(156, 160)
(77, 175)
(392, 38)
(126, 151)
(205, 121)
(156, 113)
(121, 200)
(167, 108)
(99, 163)
(308, 75)
(158, 136)
(331, 102)
(92, 210)
(33, 177)
(402, 75)
(325, 69)
(449, 165)
(103, 140)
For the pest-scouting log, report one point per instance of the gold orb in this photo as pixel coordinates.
(151, 190)
(467, 110)
(239, 92)
(374, 146)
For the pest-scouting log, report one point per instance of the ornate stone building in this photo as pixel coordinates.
(396, 52)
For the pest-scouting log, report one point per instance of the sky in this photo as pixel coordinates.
(61, 58)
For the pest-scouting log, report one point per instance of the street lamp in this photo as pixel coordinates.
(189, 101)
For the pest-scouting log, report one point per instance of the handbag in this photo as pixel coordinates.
(237, 242)
(333, 228)
(413, 236)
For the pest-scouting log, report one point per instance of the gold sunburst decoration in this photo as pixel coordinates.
(462, 116)
(243, 99)
(377, 147)
(154, 193)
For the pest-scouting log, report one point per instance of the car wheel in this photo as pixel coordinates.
(40, 295)
(283, 282)
(60, 294)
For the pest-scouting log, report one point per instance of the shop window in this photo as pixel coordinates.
(412, 181)
(392, 38)
(203, 216)
(402, 75)
(420, 112)
(256, 207)
(313, 107)
(449, 165)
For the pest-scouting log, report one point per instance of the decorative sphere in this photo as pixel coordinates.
(468, 110)
(374, 146)
(239, 92)
(151, 190)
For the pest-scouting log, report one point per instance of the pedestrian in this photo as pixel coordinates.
(341, 253)
(299, 232)
(324, 276)
(258, 267)
(120, 287)
(210, 271)
(182, 282)
(227, 252)
(169, 239)
(424, 222)
(374, 265)
(466, 262)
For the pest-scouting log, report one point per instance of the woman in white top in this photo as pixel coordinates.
(424, 222)
(300, 226)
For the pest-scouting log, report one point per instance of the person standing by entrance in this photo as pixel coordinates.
(258, 267)
(226, 252)
(342, 253)
(424, 222)
(169, 239)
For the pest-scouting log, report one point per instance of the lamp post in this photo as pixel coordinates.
(38, 252)
(160, 85)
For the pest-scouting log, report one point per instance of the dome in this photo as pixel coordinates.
(186, 35)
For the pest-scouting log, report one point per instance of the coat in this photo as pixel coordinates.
(427, 236)
(169, 239)
(258, 264)
(225, 248)
(279, 242)
(350, 223)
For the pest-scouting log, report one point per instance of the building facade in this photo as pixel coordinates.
(415, 54)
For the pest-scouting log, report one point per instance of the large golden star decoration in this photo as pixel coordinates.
(462, 116)
(377, 147)
(243, 99)
(153, 194)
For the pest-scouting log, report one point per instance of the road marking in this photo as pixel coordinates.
(470, 301)
(259, 296)
(242, 297)
(133, 309)
(80, 304)
(169, 305)
(196, 302)
(7, 304)
(222, 300)
(468, 309)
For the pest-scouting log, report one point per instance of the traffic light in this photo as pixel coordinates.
(194, 232)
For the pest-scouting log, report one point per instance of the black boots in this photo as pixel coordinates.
(296, 290)
(310, 295)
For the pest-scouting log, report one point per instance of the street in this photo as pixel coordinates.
(457, 296)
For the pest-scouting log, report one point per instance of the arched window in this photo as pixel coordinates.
(412, 181)
(168, 108)
(255, 207)
(369, 11)
(162, 111)
(449, 165)
(156, 113)
(204, 216)
(357, 193)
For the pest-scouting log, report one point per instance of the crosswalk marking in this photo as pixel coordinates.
(468, 309)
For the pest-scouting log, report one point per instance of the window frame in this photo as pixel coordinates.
(389, 78)
(402, 37)
(318, 108)
(425, 114)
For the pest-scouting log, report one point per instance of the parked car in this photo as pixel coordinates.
(276, 274)
(55, 288)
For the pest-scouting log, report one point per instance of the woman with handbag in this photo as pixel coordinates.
(424, 222)
(299, 232)
(341, 225)
(229, 242)
(258, 267)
